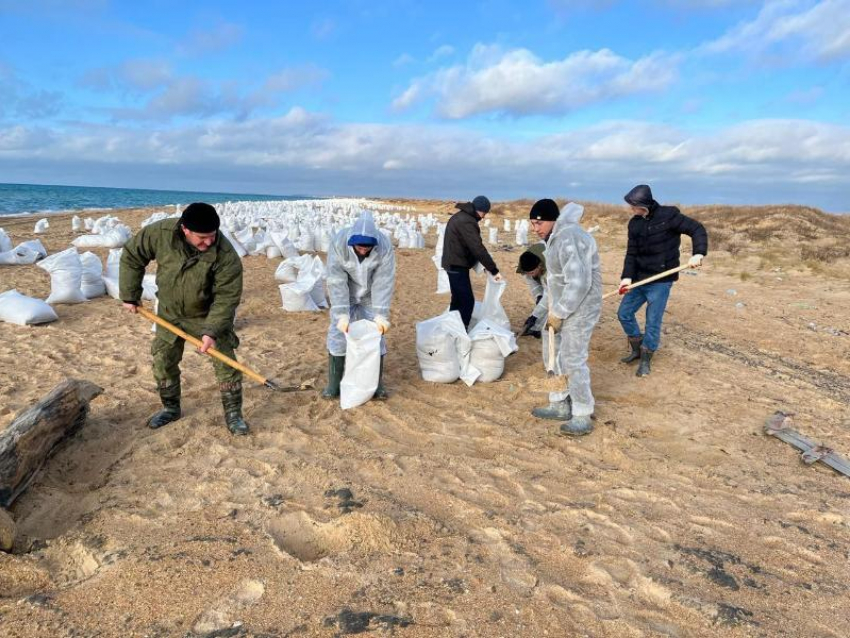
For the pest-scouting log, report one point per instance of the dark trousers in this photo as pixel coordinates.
(462, 298)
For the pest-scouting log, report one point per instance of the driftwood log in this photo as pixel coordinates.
(29, 440)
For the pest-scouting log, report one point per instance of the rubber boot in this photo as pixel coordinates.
(578, 426)
(634, 355)
(556, 410)
(645, 359)
(381, 391)
(170, 397)
(231, 400)
(336, 366)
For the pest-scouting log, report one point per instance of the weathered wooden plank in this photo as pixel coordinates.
(31, 438)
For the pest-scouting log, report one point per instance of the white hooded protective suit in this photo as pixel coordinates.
(359, 289)
(574, 284)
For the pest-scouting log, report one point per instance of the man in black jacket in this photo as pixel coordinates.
(462, 249)
(654, 237)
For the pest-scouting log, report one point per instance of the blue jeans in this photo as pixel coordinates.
(655, 297)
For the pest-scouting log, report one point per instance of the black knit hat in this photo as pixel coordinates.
(528, 261)
(545, 210)
(481, 204)
(640, 195)
(200, 218)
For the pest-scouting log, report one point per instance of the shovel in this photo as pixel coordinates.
(221, 357)
(648, 280)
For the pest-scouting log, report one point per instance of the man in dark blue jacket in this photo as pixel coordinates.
(654, 237)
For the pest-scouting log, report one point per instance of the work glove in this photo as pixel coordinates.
(528, 327)
(554, 322)
(624, 286)
(342, 324)
(383, 324)
(696, 261)
(498, 277)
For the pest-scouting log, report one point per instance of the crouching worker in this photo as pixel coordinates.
(573, 297)
(361, 281)
(532, 266)
(199, 280)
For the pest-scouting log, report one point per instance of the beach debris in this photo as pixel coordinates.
(357, 622)
(779, 425)
(31, 437)
(732, 292)
(346, 499)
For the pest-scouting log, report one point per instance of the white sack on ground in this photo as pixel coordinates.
(494, 236)
(5, 242)
(112, 238)
(442, 347)
(239, 248)
(273, 252)
(76, 224)
(491, 344)
(110, 276)
(23, 310)
(41, 226)
(66, 277)
(491, 308)
(92, 285)
(25, 253)
(298, 297)
(362, 364)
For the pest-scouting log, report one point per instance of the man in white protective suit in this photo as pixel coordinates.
(574, 286)
(361, 281)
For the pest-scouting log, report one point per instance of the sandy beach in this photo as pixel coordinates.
(448, 510)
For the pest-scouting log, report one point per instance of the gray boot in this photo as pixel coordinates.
(556, 410)
(231, 400)
(381, 391)
(645, 359)
(170, 397)
(634, 355)
(336, 366)
(578, 426)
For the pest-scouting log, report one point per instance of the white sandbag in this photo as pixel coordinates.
(305, 243)
(149, 287)
(66, 277)
(286, 247)
(362, 364)
(76, 224)
(239, 248)
(245, 237)
(110, 275)
(273, 252)
(88, 223)
(41, 226)
(494, 236)
(491, 308)
(25, 253)
(298, 297)
(442, 347)
(112, 238)
(23, 310)
(5, 242)
(92, 284)
(506, 225)
(317, 292)
(491, 344)
(287, 271)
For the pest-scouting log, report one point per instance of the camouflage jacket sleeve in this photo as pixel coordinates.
(137, 254)
(227, 293)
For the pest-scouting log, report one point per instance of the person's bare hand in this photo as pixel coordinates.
(130, 307)
(207, 342)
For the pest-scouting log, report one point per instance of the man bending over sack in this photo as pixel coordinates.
(532, 266)
(199, 281)
(361, 281)
(573, 299)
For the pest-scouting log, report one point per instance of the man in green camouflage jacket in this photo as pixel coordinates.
(199, 282)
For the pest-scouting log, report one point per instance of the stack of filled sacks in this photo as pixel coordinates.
(107, 232)
(446, 352)
(25, 253)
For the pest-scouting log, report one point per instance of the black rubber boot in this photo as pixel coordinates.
(634, 355)
(555, 411)
(231, 400)
(336, 366)
(645, 359)
(381, 392)
(170, 397)
(578, 426)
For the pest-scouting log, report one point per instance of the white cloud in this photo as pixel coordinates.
(517, 82)
(403, 60)
(22, 101)
(221, 36)
(802, 30)
(441, 52)
(758, 161)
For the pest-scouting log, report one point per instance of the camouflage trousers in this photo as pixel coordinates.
(167, 351)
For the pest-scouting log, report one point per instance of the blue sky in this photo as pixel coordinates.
(709, 101)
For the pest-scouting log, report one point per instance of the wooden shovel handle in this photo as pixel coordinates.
(198, 343)
(648, 280)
